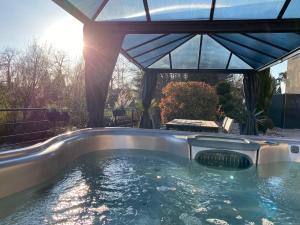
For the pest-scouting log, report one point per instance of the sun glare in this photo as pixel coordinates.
(65, 35)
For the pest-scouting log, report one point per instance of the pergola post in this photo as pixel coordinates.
(148, 90)
(101, 50)
(251, 90)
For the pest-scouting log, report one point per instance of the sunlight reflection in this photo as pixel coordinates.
(172, 8)
(65, 35)
(70, 205)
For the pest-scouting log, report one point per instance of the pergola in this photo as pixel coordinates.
(183, 36)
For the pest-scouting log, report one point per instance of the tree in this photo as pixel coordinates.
(76, 101)
(267, 88)
(41, 76)
(230, 100)
(280, 80)
(122, 90)
(188, 100)
(7, 60)
(31, 70)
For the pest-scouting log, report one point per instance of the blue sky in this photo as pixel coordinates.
(282, 67)
(21, 21)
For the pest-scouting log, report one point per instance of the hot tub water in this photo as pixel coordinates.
(142, 187)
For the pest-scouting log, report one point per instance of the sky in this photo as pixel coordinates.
(22, 21)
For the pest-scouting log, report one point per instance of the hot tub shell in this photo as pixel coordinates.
(24, 168)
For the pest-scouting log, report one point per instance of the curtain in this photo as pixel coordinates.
(148, 90)
(251, 90)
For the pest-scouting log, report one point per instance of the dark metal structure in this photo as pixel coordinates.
(168, 36)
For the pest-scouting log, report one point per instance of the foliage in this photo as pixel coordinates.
(253, 120)
(267, 87)
(279, 81)
(41, 77)
(188, 100)
(76, 102)
(230, 100)
(122, 91)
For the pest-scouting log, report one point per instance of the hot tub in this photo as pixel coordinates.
(134, 176)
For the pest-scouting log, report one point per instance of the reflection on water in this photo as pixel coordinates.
(152, 188)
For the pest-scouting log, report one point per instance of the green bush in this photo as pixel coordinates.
(267, 87)
(230, 100)
(188, 100)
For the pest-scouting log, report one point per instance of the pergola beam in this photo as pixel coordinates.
(266, 42)
(228, 62)
(246, 46)
(291, 54)
(207, 26)
(146, 7)
(171, 50)
(99, 9)
(170, 61)
(70, 8)
(212, 10)
(233, 51)
(160, 46)
(124, 53)
(283, 9)
(200, 50)
(146, 42)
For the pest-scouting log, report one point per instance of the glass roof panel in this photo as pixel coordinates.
(254, 44)
(160, 51)
(286, 40)
(213, 55)
(150, 61)
(179, 9)
(87, 7)
(254, 63)
(293, 10)
(237, 63)
(157, 43)
(124, 10)
(186, 56)
(132, 40)
(247, 9)
(255, 49)
(242, 51)
(163, 63)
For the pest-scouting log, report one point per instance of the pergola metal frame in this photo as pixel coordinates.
(202, 71)
(104, 42)
(83, 18)
(211, 28)
(202, 26)
(193, 27)
(275, 61)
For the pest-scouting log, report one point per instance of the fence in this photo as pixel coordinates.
(21, 127)
(126, 117)
(27, 126)
(285, 111)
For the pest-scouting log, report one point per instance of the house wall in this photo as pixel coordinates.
(293, 76)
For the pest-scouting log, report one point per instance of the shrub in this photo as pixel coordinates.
(230, 100)
(188, 100)
(267, 88)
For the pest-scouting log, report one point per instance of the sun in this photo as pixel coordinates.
(65, 35)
